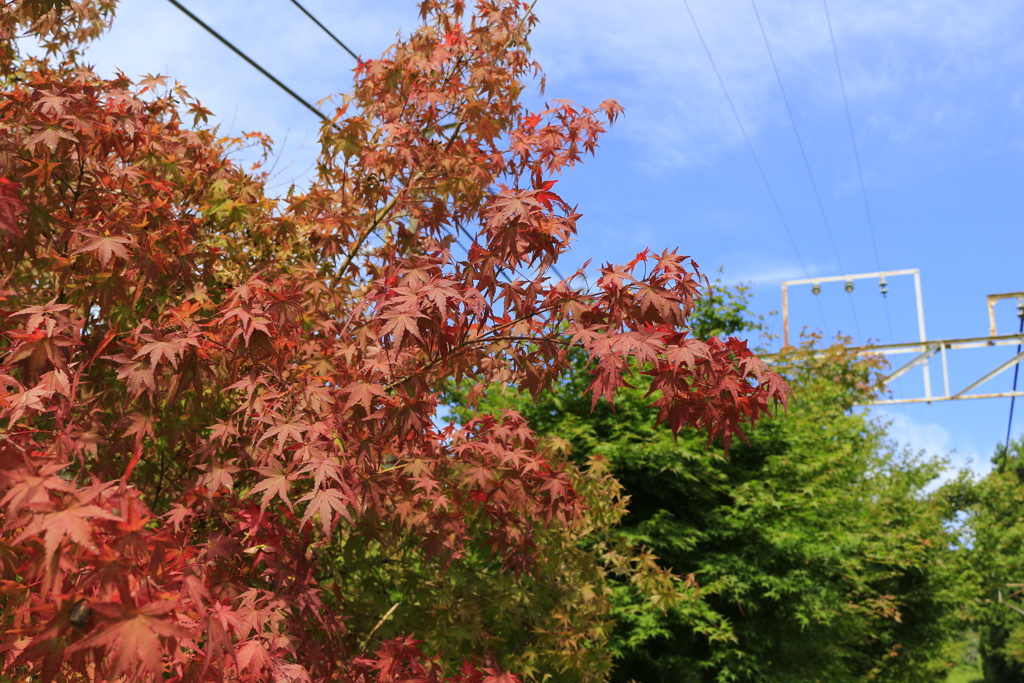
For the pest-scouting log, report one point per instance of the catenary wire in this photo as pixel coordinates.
(853, 138)
(757, 162)
(256, 66)
(807, 164)
(251, 62)
(799, 139)
(856, 159)
(860, 174)
(325, 30)
(281, 85)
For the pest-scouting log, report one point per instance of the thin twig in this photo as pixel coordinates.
(366, 640)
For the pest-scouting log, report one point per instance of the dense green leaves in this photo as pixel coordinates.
(817, 553)
(994, 560)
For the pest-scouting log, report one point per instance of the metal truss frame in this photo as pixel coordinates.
(928, 349)
(925, 349)
(849, 279)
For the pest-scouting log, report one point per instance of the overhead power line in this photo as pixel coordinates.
(807, 164)
(325, 30)
(251, 62)
(853, 138)
(281, 85)
(757, 162)
(856, 158)
(799, 140)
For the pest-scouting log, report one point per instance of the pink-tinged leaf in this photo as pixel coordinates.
(30, 399)
(138, 373)
(399, 323)
(362, 392)
(33, 490)
(509, 205)
(106, 247)
(134, 637)
(39, 314)
(57, 381)
(159, 348)
(326, 503)
(504, 677)
(71, 523)
(10, 207)
(218, 475)
(222, 431)
(284, 431)
(253, 656)
(323, 467)
(50, 137)
(276, 482)
(179, 515)
(197, 591)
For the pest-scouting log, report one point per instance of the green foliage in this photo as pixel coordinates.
(817, 553)
(724, 311)
(550, 623)
(546, 620)
(995, 559)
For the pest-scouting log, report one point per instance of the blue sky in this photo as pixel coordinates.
(936, 100)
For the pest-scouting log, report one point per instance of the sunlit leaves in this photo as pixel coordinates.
(206, 389)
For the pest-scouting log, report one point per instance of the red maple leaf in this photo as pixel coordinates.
(135, 640)
(106, 247)
(72, 522)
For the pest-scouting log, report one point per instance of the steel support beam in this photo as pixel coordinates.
(1002, 368)
(926, 350)
(929, 352)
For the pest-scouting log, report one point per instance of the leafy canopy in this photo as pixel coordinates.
(817, 553)
(207, 392)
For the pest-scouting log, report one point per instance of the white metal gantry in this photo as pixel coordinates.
(924, 349)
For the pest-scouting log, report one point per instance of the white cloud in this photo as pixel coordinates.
(935, 441)
(766, 274)
(647, 51)
(901, 61)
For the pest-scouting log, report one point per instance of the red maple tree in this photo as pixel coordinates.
(200, 383)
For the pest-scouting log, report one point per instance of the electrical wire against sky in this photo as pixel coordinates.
(807, 164)
(860, 175)
(325, 30)
(250, 60)
(288, 90)
(757, 162)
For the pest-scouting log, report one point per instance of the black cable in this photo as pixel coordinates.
(799, 140)
(325, 30)
(252, 63)
(1013, 399)
(757, 162)
(281, 85)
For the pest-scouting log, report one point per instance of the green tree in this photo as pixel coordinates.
(817, 553)
(994, 550)
(218, 406)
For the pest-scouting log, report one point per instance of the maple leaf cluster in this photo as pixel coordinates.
(202, 385)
